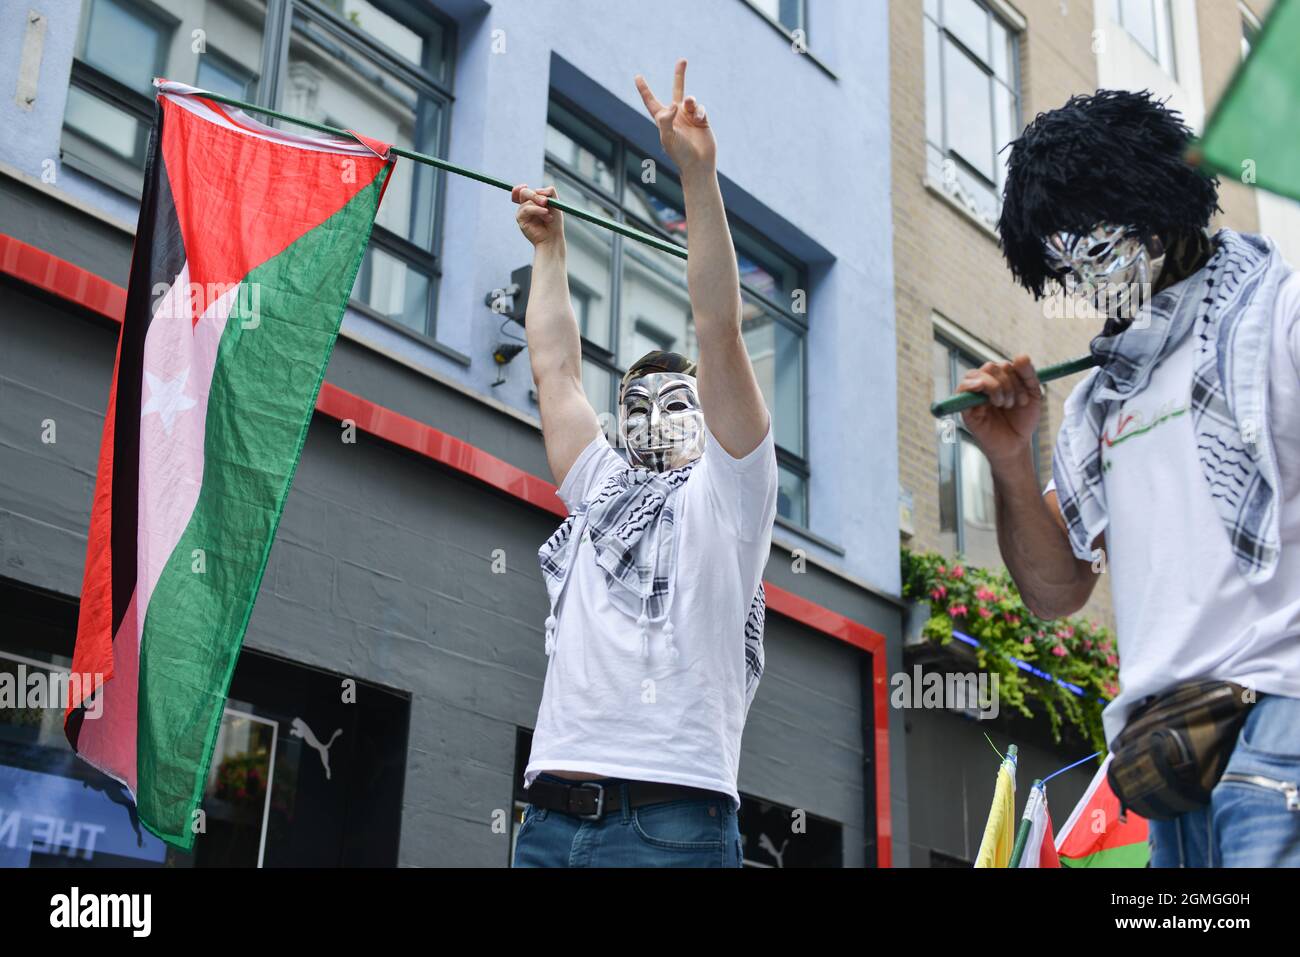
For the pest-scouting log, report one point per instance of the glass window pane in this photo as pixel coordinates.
(105, 124)
(394, 289)
(591, 262)
(329, 84)
(1139, 19)
(580, 147)
(776, 351)
(968, 110)
(1001, 48)
(764, 269)
(1004, 130)
(979, 525)
(933, 93)
(655, 197)
(220, 75)
(788, 13)
(421, 44)
(126, 42)
(792, 497)
(969, 22)
(600, 385)
(654, 307)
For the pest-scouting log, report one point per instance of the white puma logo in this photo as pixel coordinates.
(300, 730)
(766, 844)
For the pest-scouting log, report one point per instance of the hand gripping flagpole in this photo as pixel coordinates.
(663, 245)
(968, 400)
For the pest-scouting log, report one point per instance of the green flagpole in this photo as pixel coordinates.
(1022, 835)
(968, 400)
(656, 242)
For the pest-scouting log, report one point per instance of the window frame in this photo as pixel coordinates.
(1163, 22)
(617, 202)
(933, 14)
(271, 73)
(427, 262)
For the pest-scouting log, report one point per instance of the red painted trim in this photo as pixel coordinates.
(61, 278)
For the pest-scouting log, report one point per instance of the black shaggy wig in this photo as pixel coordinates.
(1114, 157)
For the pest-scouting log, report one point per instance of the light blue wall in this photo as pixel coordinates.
(804, 156)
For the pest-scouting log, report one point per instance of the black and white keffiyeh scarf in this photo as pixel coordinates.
(1228, 307)
(631, 522)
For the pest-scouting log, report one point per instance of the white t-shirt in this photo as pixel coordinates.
(1183, 611)
(607, 710)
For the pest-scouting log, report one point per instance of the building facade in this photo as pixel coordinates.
(393, 665)
(966, 77)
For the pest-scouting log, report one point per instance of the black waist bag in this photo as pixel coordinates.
(1175, 746)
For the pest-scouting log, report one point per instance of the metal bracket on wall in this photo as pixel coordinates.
(29, 63)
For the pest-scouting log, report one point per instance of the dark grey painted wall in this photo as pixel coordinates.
(382, 571)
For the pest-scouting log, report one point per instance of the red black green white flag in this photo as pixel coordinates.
(247, 247)
(1097, 835)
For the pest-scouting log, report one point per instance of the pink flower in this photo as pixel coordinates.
(940, 591)
(1105, 645)
(942, 569)
(1029, 642)
(984, 594)
(958, 611)
(1087, 645)
(985, 613)
(1111, 689)
(1065, 632)
(1112, 660)
(958, 571)
(1059, 651)
(1015, 620)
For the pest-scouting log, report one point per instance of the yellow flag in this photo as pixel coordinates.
(1000, 831)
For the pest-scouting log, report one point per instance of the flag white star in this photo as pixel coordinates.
(167, 398)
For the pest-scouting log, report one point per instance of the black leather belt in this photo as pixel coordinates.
(591, 800)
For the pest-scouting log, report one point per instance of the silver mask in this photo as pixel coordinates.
(1113, 267)
(660, 421)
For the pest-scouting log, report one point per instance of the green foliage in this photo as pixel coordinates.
(987, 606)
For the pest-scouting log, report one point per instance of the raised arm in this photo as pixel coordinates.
(729, 394)
(1031, 531)
(554, 342)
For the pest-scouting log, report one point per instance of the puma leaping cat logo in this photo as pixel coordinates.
(766, 844)
(300, 730)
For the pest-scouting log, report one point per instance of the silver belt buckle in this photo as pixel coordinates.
(600, 801)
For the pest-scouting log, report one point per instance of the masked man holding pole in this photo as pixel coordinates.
(1177, 469)
(655, 578)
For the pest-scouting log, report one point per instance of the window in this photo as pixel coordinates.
(1150, 24)
(121, 46)
(630, 299)
(791, 14)
(268, 800)
(967, 519)
(381, 65)
(972, 102)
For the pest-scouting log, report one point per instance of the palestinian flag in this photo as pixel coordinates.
(1254, 133)
(1094, 836)
(1034, 845)
(248, 243)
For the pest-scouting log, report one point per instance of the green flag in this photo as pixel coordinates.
(1254, 133)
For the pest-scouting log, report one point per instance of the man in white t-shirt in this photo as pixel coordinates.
(1179, 456)
(655, 578)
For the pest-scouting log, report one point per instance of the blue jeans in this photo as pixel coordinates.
(1247, 823)
(689, 833)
